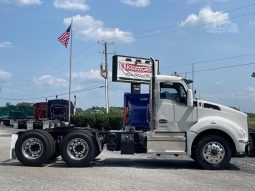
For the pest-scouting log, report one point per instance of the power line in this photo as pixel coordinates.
(185, 28)
(243, 7)
(176, 25)
(53, 70)
(193, 26)
(222, 67)
(49, 96)
(213, 60)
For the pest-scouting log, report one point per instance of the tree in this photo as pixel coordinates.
(8, 104)
(78, 110)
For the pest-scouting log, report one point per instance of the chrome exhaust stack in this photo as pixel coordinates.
(153, 95)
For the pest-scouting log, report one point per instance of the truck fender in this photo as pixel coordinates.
(96, 140)
(235, 132)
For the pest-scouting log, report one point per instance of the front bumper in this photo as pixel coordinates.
(242, 148)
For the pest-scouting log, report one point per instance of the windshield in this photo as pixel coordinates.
(188, 82)
(58, 110)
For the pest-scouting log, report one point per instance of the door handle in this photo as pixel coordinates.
(163, 121)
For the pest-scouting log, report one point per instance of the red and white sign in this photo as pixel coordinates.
(131, 69)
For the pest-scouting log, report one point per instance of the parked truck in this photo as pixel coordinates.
(52, 113)
(36, 116)
(209, 133)
(20, 115)
(17, 115)
(4, 116)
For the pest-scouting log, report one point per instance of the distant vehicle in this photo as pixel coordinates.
(20, 114)
(58, 109)
(40, 111)
(4, 116)
(136, 111)
(96, 112)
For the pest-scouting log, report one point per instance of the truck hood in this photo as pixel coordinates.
(219, 107)
(207, 109)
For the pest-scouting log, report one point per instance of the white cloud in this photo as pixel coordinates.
(247, 94)
(88, 28)
(22, 2)
(219, 83)
(4, 75)
(136, 3)
(211, 21)
(252, 24)
(89, 75)
(5, 44)
(50, 81)
(71, 4)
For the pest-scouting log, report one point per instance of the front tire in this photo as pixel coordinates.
(77, 149)
(213, 152)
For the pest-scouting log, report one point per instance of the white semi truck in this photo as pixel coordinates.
(179, 125)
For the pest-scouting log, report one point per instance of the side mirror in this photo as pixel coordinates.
(189, 98)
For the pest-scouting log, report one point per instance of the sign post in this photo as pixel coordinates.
(135, 88)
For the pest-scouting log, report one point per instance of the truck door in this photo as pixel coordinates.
(173, 113)
(173, 119)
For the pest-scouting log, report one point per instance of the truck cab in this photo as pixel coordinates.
(58, 109)
(210, 133)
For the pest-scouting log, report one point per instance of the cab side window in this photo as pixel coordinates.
(174, 91)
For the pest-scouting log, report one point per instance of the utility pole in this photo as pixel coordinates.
(193, 76)
(104, 73)
(74, 104)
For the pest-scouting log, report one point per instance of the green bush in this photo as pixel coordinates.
(99, 121)
(82, 120)
(115, 122)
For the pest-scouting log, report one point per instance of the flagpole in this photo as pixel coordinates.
(70, 71)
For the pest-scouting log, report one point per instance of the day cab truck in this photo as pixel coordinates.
(178, 125)
(52, 113)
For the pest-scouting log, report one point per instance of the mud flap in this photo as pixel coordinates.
(99, 143)
(12, 149)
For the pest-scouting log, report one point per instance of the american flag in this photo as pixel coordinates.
(64, 38)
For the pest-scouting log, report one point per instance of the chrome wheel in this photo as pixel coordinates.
(77, 149)
(213, 152)
(32, 148)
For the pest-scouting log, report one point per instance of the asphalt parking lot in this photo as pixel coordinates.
(111, 172)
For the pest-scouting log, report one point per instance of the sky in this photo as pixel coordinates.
(217, 36)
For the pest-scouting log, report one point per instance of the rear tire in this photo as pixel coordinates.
(33, 148)
(213, 153)
(53, 144)
(77, 149)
